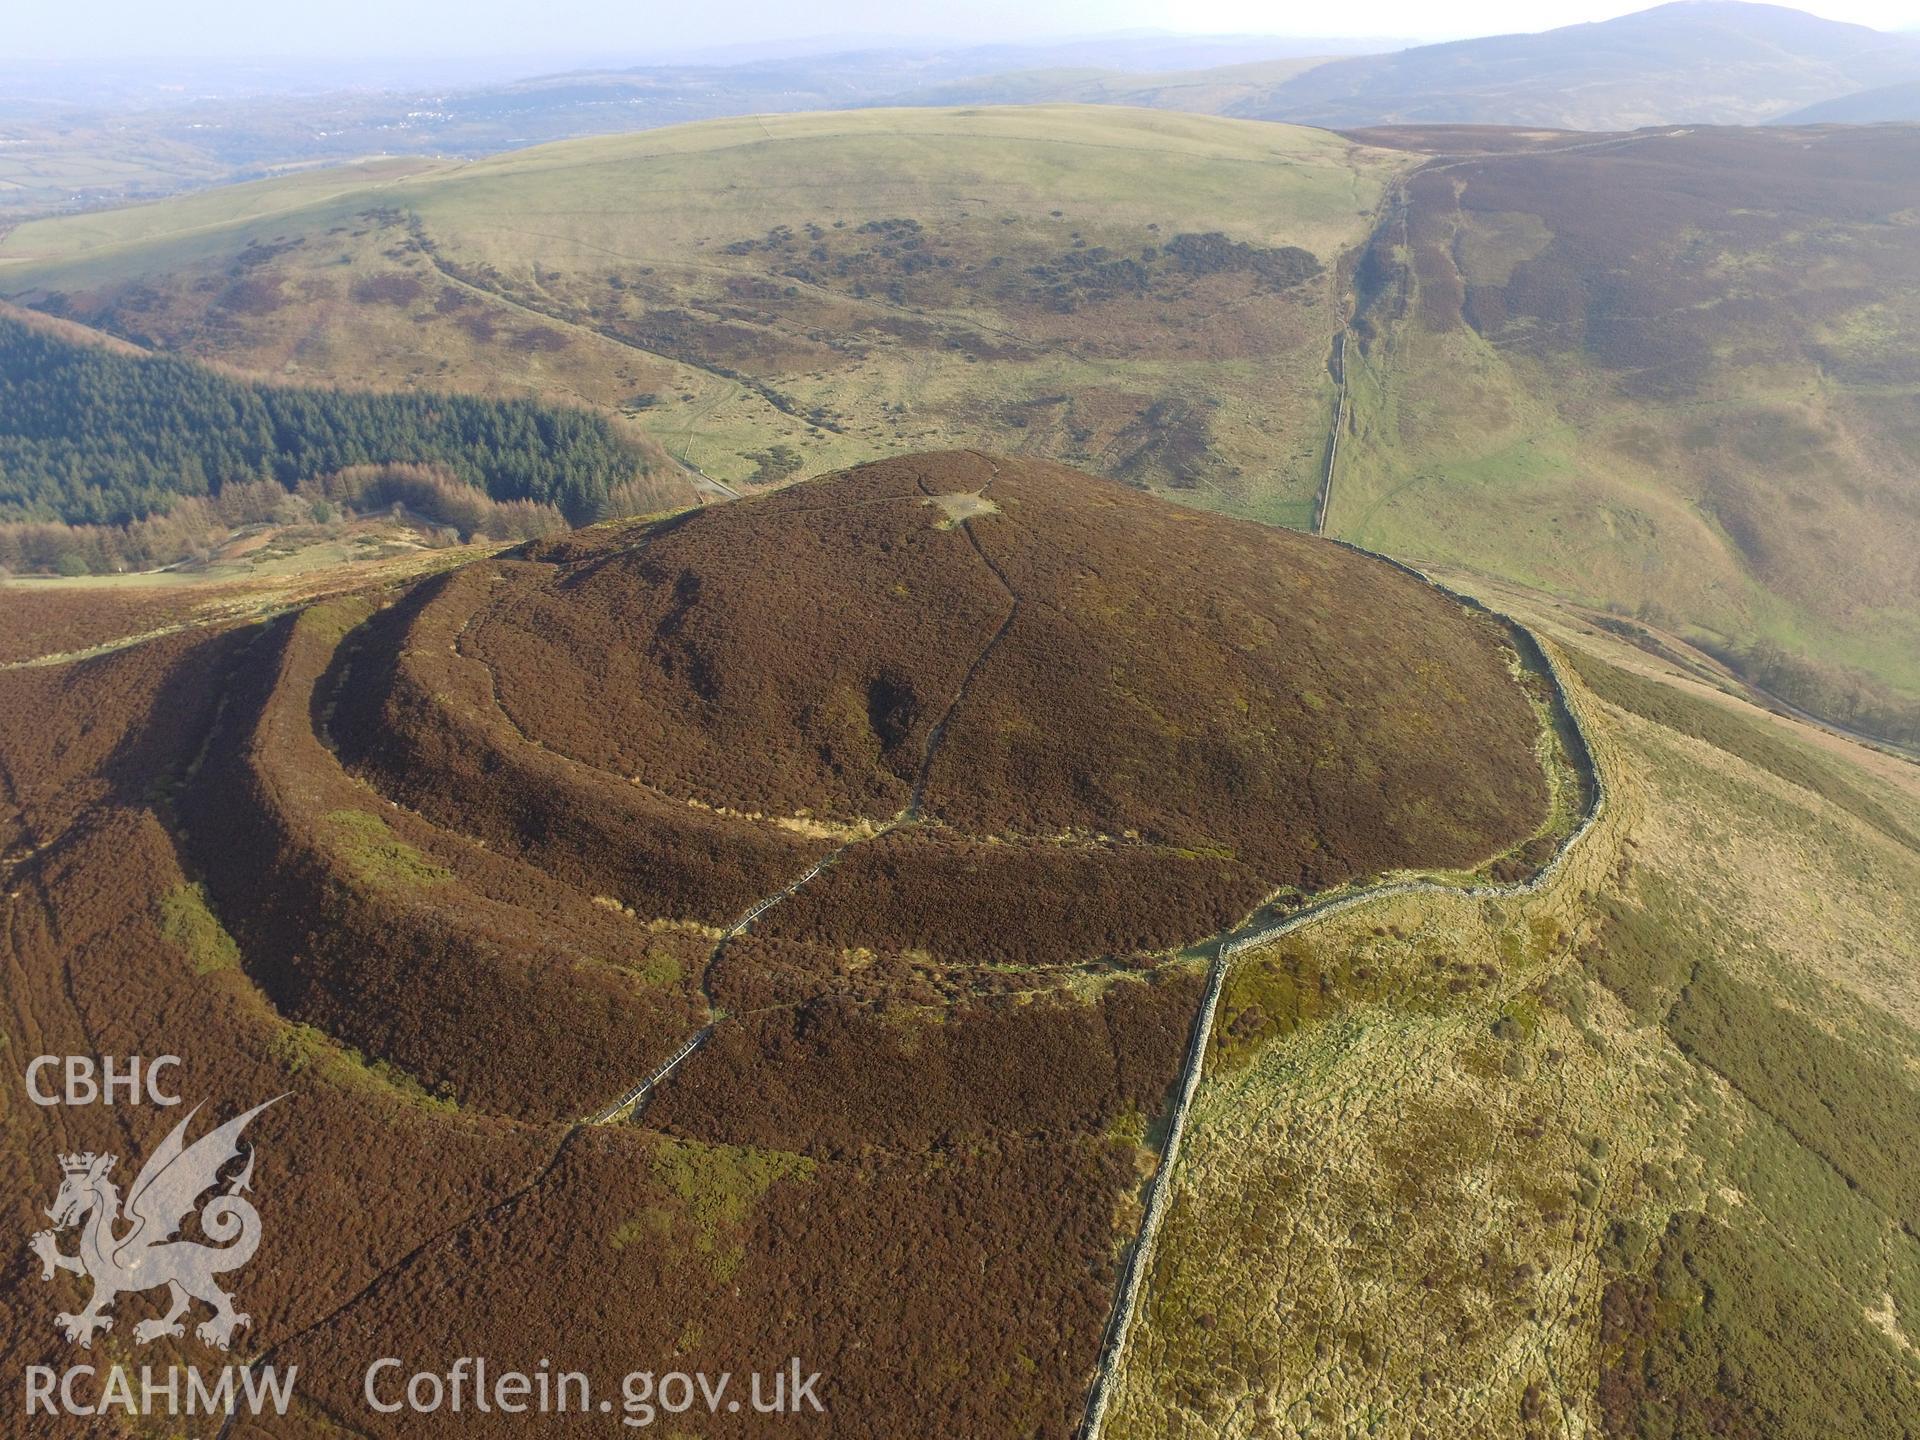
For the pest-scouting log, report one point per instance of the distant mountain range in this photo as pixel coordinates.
(111, 136)
(1707, 62)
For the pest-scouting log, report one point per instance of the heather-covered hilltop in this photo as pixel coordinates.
(712, 912)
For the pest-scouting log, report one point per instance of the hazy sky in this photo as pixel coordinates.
(638, 29)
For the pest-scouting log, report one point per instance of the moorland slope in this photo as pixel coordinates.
(1618, 1152)
(1669, 373)
(1626, 1155)
(965, 670)
(468, 863)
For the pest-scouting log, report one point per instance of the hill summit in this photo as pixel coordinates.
(1018, 650)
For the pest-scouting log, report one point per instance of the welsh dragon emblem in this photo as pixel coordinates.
(137, 1251)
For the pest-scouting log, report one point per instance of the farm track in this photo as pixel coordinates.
(1445, 161)
(727, 491)
(1768, 700)
(560, 317)
(271, 611)
(557, 314)
(1256, 933)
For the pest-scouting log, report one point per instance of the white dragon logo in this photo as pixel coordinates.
(147, 1255)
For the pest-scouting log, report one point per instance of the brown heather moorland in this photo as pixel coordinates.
(1166, 713)
(458, 863)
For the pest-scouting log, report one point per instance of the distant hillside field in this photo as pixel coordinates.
(75, 138)
(1701, 62)
(71, 142)
(1151, 295)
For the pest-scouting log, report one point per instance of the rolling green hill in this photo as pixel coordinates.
(79, 142)
(74, 138)
(1151, 295)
